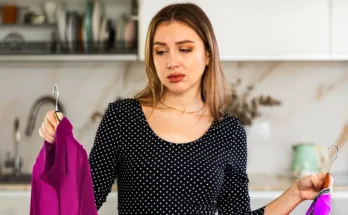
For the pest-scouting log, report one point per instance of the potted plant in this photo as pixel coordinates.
(247, 109)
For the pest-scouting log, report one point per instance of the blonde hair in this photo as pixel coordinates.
(214, 87)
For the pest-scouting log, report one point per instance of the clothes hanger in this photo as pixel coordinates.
(56, 93)
(327, 177)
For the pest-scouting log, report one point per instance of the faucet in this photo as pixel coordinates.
(16, 161)
(35, 109)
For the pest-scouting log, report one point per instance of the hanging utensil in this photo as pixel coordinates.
(56, 93)
(327, 177)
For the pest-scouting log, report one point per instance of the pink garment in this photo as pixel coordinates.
(321, 204)
(61, 177)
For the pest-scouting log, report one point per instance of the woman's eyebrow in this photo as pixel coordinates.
(177, 43)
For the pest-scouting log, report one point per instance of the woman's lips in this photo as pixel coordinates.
(177, 77)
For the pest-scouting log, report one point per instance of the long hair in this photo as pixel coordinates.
(215, 90)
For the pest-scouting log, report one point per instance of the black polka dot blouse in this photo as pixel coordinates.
(155, 176)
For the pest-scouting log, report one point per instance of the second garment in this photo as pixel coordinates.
(61, 177)
(321, 204)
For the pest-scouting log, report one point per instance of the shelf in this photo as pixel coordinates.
(22, 25)
(275, 58)
(69, 57)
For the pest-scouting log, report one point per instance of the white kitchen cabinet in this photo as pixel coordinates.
(18, 203)
(259, 29)
(110, 206)
(14, 203)
(267, 29)
(147, 10)
(339, 203)
(339, 21)
(10, 201)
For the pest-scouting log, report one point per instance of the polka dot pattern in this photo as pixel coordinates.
(155, 176)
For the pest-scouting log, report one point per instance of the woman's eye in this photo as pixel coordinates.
(185, 50)
(160, 52)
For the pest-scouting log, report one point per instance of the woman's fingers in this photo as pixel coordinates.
(48, 127)
(51, 118)
(44, 135)
(58, 114)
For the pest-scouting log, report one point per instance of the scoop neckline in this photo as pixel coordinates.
(198, 140)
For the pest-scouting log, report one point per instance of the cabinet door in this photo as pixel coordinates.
(339, 29)
(147, 10)
(12, 204)
(110, 206)
(339, 205)
(259, 29)
(270, 30)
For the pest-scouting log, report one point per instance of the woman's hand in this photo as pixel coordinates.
(306, 188)
(49, 126)
(309, 187)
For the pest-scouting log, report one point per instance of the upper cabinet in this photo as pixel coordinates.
(147, 10)
(268, 29)
(339, 41)
(261, 29)
(246, 30)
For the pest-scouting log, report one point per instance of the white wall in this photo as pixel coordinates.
(87, 87)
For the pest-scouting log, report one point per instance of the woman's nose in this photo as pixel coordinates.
(173, 61)
(172, 65)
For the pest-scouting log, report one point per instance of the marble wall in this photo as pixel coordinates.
(313, 95)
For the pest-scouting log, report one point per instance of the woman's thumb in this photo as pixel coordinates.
(59, 116)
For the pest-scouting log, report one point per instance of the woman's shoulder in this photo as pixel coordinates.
(232, 126)
(120, 107)
(124, 105)
(231, 121)
(124, 109)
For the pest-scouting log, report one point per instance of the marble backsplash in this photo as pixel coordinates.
(314, 108)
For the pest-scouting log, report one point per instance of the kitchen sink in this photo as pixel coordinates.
(12, 179)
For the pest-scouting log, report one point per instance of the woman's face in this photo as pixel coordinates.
(179, 57)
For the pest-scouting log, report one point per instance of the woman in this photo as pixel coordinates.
(171, 148)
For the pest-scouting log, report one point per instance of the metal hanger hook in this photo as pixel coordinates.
(337, 152)
(56, 93)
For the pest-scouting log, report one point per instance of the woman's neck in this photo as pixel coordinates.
(188, 101)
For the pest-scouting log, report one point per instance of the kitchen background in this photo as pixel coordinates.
(295, 66)
(313, 105)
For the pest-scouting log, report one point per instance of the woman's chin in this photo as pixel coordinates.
(177, 89)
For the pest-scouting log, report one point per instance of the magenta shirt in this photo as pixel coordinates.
(321, 205)
(61, 177)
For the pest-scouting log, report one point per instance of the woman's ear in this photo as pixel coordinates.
(207, 60)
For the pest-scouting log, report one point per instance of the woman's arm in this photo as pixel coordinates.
(285, 203)
(306, 188)
(234, 196)
(103, 155)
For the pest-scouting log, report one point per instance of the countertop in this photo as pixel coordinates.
(282, 182)
(256, 183)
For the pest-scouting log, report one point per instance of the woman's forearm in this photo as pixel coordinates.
(285, 203)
